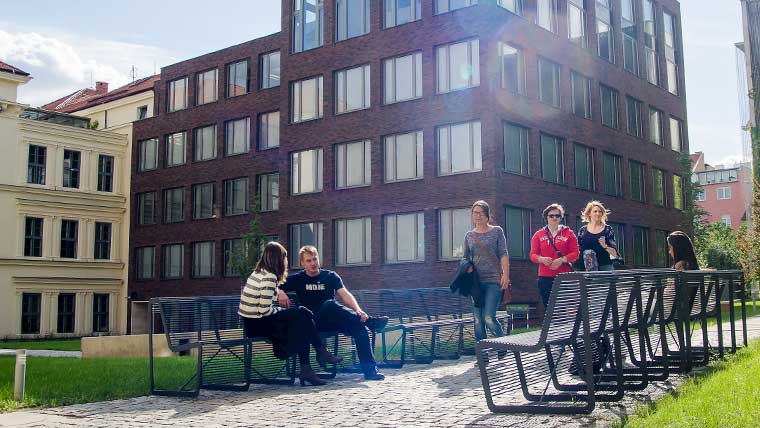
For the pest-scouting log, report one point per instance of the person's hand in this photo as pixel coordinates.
(362, 315)
(556, 263)
(283, 299)
(603, 242)
(469, 269)
(504, 282)
(546, 261)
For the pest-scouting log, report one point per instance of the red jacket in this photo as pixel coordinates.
(566, 243)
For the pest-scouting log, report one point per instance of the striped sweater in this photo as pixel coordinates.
(259, 296)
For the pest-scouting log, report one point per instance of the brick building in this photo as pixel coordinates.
(365, 126)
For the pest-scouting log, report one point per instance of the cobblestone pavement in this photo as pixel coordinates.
(444, 394)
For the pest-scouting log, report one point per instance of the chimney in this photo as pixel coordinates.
(101, 87)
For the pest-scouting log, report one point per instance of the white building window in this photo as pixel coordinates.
(403, 157)
(269, 130)
(306, 172)
(177, 95)
(353, 164)
(173, 261)
(453, 224)
(701, 195)
(405, 238)
(203, 259)
(546, 14)
(270, 70)
(353, 241)
(269, 192)
(205, 143)
(352, 89)
(459, 148)
(514, 6)
(237, 136)
(403, 78)
(458, 66)
(576, 22)
(206, 84)
(399, 12)
(145, 259)
(308, 23)
(726, 220)
(306, 99)
(443, 6)
(724, 193)
(353, 19)
(148, 154)
(512, 68)
(175, 149)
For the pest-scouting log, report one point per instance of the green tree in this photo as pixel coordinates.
(748, 240)
(718, 248)
(694, 217)
(245, 257)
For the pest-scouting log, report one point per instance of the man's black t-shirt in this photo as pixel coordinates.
(313, 291)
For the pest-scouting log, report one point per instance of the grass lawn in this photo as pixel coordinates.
(725, 395)
(52, 345)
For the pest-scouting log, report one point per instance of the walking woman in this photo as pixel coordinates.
(682, 251)
(486, 247)
(597, 237)
(553, 247)
(291, 330)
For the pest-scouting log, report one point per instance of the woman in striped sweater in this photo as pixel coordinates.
(291, 330)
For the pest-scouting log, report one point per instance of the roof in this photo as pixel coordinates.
(88, 97)
(7, 68)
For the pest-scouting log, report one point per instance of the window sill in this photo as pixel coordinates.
(404, 180)
(403, 262)
(295, 52)
(452, 91)
(306, 120)
(343, 113)
(175, 165)
(266, 149)
(270, 87)
(203, 160)
(358, 36)
(208, 103)
(235, 214)
(230, 97)
(401, 25)
(306, 193)
(174, 222)
(474, 171)
(401, 101)
(177, 278)
(204, 218)
(518, 174)
(232, 155)
(358, 186)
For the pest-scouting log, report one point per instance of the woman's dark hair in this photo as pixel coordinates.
(273, 260)
(484, 206)
(552, 207)
(683, 250)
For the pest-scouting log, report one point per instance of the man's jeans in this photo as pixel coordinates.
(332, 316)
(485, 316)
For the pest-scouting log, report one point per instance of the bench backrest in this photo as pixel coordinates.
(188, 320)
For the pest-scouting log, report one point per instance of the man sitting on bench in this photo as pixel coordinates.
(316, 289)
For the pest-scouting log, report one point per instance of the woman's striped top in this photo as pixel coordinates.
(259, 296)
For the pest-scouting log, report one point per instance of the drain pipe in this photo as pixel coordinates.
(18, 389)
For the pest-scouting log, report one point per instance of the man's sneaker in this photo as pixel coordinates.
(371, 373)
(376, 323)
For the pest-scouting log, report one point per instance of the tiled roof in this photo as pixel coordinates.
(7, 68)
(88, 97)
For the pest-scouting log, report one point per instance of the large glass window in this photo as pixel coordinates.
(583, 165)
(304, 234)
(613, 174)
(71, 165)
(399, 12)
(633, 113)
(640, 246)
(658, 187)
(671, 51)
(518, 229)
(723, 193)
(514, 6)
(676, 135)
(655, 126)
(177, 95)
(236, 196)
(548, 82)
(630, 36)
(353, 241)
(31, 311)
(650, 42)
(173, 261)
(102, 241)
(105, 173)
(203, 201)
(353, 164)
(610, 116)
(459, 148)
(237, 136)
(403, 78)
(552, 158)
(308, 24)
(352, 89)
(306, 99)
(145, 262)
(546, 14)
(174, 205)
(604, 32)
(516, 155)
(238, 79)
(453, 224)
(661, 248)
(203, 259)
(353, 19)
(678, 195)
(36, 164)
(581, 86)
(269, 71)
(405, 237)
(146, 208)
(100, 313)
(269, 192)
(33, 237)
(231, 248)
(69, 238)
(443, 6)
(403, 157)
(205, 143)
(306, 171)
(512, 68)
(269, 130)
(619, 230)
(206, 84)
(175, 149)
(576, 22)
(458, 66)
(66, 312)
(148, 154)
(638, 187)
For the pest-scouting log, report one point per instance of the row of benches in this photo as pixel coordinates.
(605, 333)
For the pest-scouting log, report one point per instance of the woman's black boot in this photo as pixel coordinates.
(307, 375)
(324, 357)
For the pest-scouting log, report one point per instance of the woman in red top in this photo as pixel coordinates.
(554, 248)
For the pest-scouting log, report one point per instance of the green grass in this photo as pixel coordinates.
(726, 395)
(52, 345)
(725, 315)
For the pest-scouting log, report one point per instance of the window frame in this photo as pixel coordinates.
(342, 89)
(266, 80)
(34, 232)
(232, 75)
(72, 168)
(388, 154)
(106, 166)
(589, 164)
(519, 55)
(228, 197)
(140, 259)
(197, 253)
(343, 164)
(201, 87)
(524, 149)
(391, 75)
(169, 161)
(298, 35)
(266, 125)
(142, 152)
(230, 133)
(614, 104)
(390, 225)
(453, 237)
(103, 240)
(443, 64)
(166, 258)
(198, 211)
(342, 17)
(559, 147)
(171, 95)
(140, 208)
(69, 239)
(342, 237)
(296, 178)
(415, 7)
(199, 149)
(296, 99)
(556, 90)
(267, 200)
(169, 214)
(36, 164)
(475, 148)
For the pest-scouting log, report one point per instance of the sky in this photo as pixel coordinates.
(69, 48)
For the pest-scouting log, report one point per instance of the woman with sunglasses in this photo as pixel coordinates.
(554, 248)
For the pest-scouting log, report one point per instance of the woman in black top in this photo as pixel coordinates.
(682, 252)
(597, 237)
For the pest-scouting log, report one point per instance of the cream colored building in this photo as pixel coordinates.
(64, 192)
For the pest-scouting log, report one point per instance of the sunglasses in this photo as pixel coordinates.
(554, 215)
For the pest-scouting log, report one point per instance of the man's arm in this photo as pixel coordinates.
(349, 300)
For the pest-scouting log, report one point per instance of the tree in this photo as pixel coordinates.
(694, 217)
(245, 257)
(718, 248)
(748, 240)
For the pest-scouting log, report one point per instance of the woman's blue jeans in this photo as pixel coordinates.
(485, 316)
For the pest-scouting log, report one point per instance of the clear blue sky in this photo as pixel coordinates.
(67, 45)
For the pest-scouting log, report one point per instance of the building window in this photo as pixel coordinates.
(306, 99)
(270, 70)
(353, 19)
(630, 37)
(353, 241)
(175, 149)
(581, 87)
(583, 162)
(671, 51)
(148, 154)
(398, 12)
(552, 159)
(637, 181)
(725, 176)
(269, 130)
(546, 14)
(100, 313)
(203, 259)
(33, 237)
(517, 223)
(142, 112)
(203, 201)
(146, 208)
(658, 187)
(174, 205)
(640, 246)
(269, 192)
(205, 143)
(676, 135)
(701, 195)
(459, 148)
(405, 237)
(403, 157)
(30, 313)
(353, 164)
(661, 248)
(71, 165)
(650, 42)
(102, 241)
(306, 172)
(403, 78)
(238, 79)
(458, 66)
(36, 164)
(69, 238)
(723, 193)
(352, 89)
(576, 22)
(236, 196)
(655, 126)
(610, 115)
(308, 24)
(145, 260)
(105, 173)
(177, 95)
(66, 312)
(453, 224)
(443, 6)
(205, 87)
(604, 32)
(633, 113)
(516, 155)
(613, 175)
(619, 230)
(173, 260)
(512, 68)
(548, 82)
(231, 248)
(236, 136)
(678, 196)
(725, 219)
(304, 234)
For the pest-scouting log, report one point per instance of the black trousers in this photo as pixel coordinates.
(545, 288)
(290, 330)
(332, 316)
